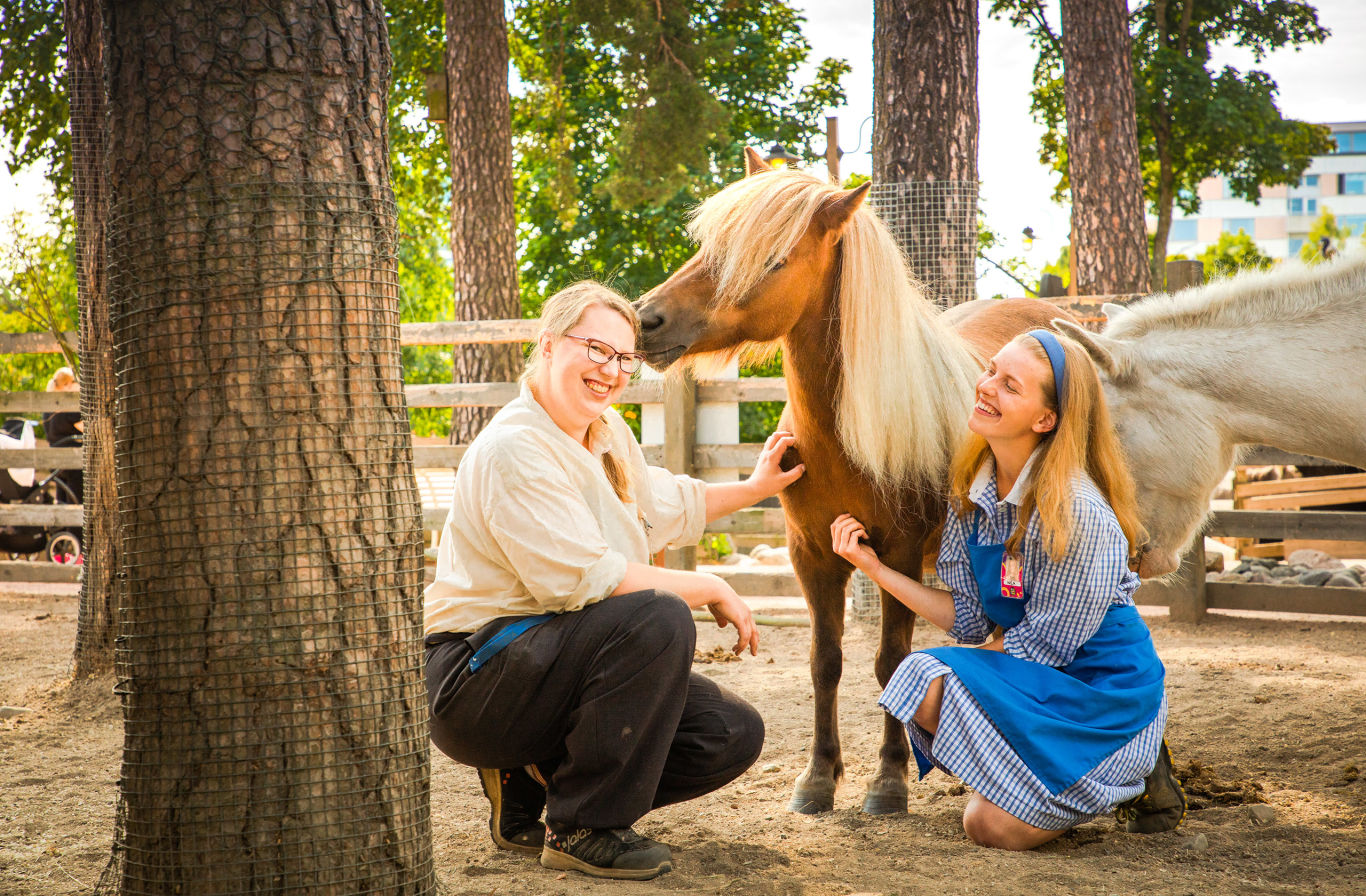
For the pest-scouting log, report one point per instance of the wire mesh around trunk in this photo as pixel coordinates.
(935, 223)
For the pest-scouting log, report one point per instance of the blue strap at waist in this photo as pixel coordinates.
(504, 637)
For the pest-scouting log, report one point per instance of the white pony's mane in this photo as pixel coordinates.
(1250, 299)
(906, 378)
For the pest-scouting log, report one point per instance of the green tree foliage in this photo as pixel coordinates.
(33, 102)
(622, 131)
(1193, 122)
(1233, 252)
(37, 295)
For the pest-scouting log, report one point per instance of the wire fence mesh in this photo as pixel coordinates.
(935, 223)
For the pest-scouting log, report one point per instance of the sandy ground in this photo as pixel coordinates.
(1269, 709)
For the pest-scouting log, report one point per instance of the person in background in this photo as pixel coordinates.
(559, 661)
(65, 429)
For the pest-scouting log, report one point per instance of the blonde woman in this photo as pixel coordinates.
(558, 659)
(1060, 718)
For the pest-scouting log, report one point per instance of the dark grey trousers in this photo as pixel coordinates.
(605, 702)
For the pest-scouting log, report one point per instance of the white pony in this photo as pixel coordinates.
(1273, 358)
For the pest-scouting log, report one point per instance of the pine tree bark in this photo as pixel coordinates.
(94, 650)
(269, 642)
(925, 131)
(483, 218)
(1111, 244)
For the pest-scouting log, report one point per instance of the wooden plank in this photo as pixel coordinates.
(35, 343)
(30, 571)
(1306, 499)
(748, 388)
(1286, 598)
(1267, 550)
(1282, 525)
(742, 456)
(431, 457)
(1183, 592)
(41, 458)
(469, 332)
(749, 583)
(1295, 486)
(48, 516)
(1328, 546)
(39, 402)
(750, 521)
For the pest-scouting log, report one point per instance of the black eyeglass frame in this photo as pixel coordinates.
(636, 360)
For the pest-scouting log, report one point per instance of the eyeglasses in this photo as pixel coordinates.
(600, 353)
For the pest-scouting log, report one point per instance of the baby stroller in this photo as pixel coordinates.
(20, 486)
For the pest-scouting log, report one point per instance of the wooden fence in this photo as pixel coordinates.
(1187, 593)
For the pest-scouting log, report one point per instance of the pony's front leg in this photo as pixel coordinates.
(887, 792)
(822, 579)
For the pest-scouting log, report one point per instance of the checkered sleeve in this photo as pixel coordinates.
(970, 623)
(1069, 598)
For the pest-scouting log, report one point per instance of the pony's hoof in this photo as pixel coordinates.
(881, 803)
(811, 804)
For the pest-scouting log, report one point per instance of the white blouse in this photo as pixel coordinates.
(535, 526)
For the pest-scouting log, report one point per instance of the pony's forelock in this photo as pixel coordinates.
(751, 225)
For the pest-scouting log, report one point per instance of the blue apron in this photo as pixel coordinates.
(1061, 722)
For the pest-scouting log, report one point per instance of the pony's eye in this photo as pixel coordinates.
(777, 265)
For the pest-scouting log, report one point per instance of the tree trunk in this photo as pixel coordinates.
(1111, 248)
(483, 219)
(94, 651)
(275, 718)
(925, 137)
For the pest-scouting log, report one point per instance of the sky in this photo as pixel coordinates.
(1323, 83)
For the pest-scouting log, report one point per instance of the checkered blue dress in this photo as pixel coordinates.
(1067, 601)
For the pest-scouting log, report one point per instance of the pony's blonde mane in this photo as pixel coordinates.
(906, 378)
(1250, 299)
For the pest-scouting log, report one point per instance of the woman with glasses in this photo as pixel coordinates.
(1057, 716)
(558, 659)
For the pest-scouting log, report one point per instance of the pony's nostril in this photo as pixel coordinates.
(651, 320)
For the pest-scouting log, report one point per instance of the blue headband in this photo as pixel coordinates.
(1057, 360)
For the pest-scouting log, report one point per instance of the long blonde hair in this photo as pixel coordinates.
(560, 314)
(1083, 439)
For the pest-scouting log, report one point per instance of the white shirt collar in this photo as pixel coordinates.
(599, 431)
(986, 475)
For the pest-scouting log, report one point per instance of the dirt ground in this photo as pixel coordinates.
(1265, 711)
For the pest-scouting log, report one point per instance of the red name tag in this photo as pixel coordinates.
(1012, 577)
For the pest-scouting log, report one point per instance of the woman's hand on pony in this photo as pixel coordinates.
(769, 477)
(847, 537)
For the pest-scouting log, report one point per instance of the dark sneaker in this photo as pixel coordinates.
(1161, 806)
(517, 800)
(617, 853)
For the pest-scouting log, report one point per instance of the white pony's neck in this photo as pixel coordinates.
(1268, 358)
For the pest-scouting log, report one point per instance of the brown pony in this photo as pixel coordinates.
(879, 390)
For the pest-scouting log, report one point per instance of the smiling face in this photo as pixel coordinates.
(1010, 404)
(573, 388)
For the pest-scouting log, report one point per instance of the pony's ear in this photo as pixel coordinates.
(754, 163)
(1113, 312)
(836, 211)
(1111, 355)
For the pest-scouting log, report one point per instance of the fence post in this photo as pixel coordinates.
(680, 435)
(1184, 591)
(1181, 274)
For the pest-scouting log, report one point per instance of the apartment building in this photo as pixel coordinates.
(1281, 219)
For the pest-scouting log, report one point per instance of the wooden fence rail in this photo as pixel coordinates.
(1187, 593)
